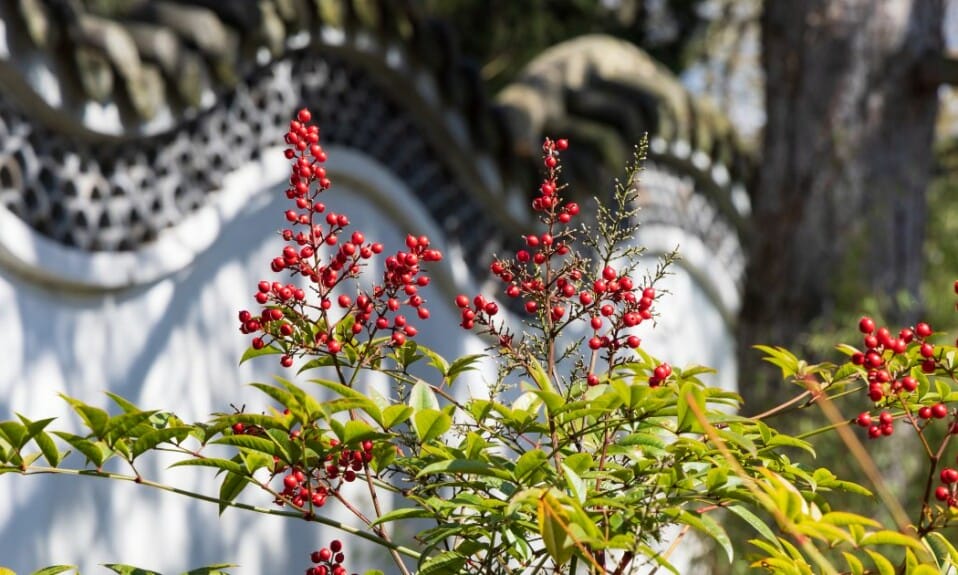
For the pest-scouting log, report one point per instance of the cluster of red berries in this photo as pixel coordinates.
(660, 374)
(884, 426)
(560, 291)
(948, 492)
(313, 230)
(301, 488)
(889, 381)
(881, 346)
(328, 560)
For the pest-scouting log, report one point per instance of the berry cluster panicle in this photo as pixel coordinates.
(292, 322)
(328, 560)
(557, 286)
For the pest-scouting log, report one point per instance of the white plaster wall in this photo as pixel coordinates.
(171, 342)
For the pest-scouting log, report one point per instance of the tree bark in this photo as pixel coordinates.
(840, 194)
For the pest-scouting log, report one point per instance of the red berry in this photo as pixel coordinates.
(864, 419)
(462, 300)
(939, 411)
(874, 432)
(941, 493)
(927, 350)
(909, 383)
(592, 379)
(885, 418)
(866, 325)
(924, 412)
(531, 307)
(949, 475)
(922, 330)
(562, 144)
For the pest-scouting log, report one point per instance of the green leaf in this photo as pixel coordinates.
(465, 466)
(233, 484)
(854, 564)
(887, 537)
(430, 424)
(118, 426)
(123, 404)
(575, 484)
(217, 569)
(52, 570)
(357, 431)
(250, 353)
(15, 433)
(711, 528)
(686, 420)
(552, 400)
(553, 522)
(445, 563)
(48, 448)
(435, 360)
(128, 569)
(224, 464)
(789, 441)
(153, 438)
(422, 397)
(462, 365)
(396, 414)
(94, 417)
(844, 518)
(528, 464)
(539, 375)
(760, 526)
(96, 453)
(260, 444)
(942, 548)
(404, 513)
(781, 357)
(366, 404)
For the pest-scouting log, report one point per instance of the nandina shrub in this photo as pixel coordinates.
(575, 459)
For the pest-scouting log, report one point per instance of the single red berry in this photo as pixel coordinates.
(238, 428)
(909, 383)
(531, 307)
(462, 300)
(927, 350)
(874, 432)
(887, 430)
(924, 412)
(885, 418)
(949, 475)
(562, 144)
(939, 411)
(592, 379)
(941, 493)
(595, 343)
(922, 329)
(336, 545)
(864, 419)
(286, 361)
(866, 325)
(928, 366)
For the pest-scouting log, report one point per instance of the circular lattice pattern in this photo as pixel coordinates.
(117, 196)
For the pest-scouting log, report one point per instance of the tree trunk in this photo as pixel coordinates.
(840, 194)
